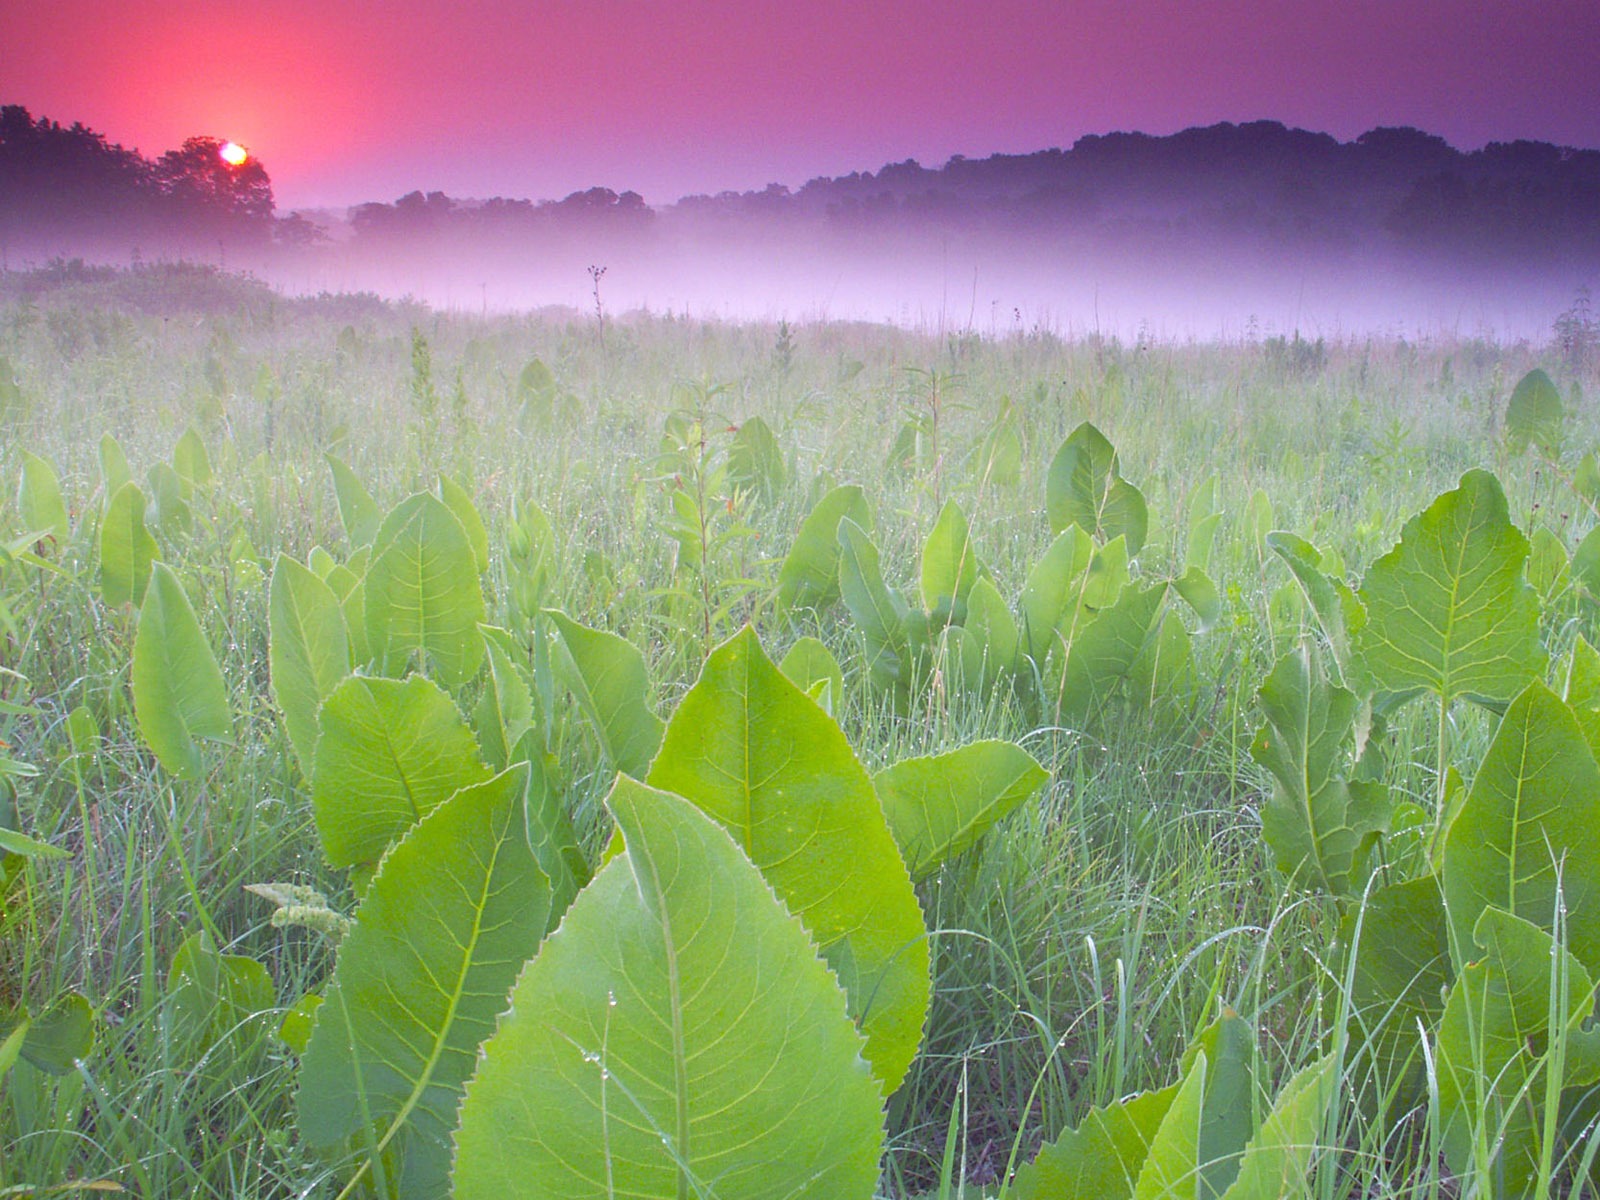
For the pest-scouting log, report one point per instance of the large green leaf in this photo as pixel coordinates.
(39, 499)
(1052, 594)
(1277, 1160)
(1529, 814)
(459, 501)
(190, 460)
(755, 461)
(1228, 1100)
(809, 576)
(422, 594)
(940, 805)
(389, 752)
(54, 1040)
(949, 564)
(1448, 608)
(357, 509)
(456, 909)
(993, 630)
(1337, 610)
(1401, 940)
(126, 549)
(751, 750)
(814, 670)
(607, 676)
(1104, 650)
(216, 998)
(1535, 416)
(878, 610)
(114, 468)
(505, 710)
(1319, 825)
(178, 693)
(676, 1037)
(1494, 1050)
(1101, 1158)
(309, 652)
(1084, 487)
(1171, 1168)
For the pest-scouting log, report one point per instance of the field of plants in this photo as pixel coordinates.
(562, 756)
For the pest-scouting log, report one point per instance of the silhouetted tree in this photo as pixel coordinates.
(196, 178)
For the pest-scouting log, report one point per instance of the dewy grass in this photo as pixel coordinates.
(1076, 950)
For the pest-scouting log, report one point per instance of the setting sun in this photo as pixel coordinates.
(233, 154)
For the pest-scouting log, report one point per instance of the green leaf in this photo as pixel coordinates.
(309, 652)
(1548, 564)
(1171, 1167)
(878, 610)
(12, 842)
(1493, 1049)
(39, 499)
(454, 911)
(1535, 416)
(1105, 650)
(1101, 1158)
(949, 563)
(214, 996)
(1200, 593)
(993, 631)
(555, 846)
(1586, 562)
(536, 390)
(459, 501)
(191, 461)
(677, 1036)
(357, 510)
(607, 676)
(126, 549)
(809, 576)
(809, 664)
(114, 469)
(1402, 967)
(752, 751)
(178, 693)
(53, 1041)
(1052, 595)
(388, 753)
(11, 1042)
(1319, 825)
(505, 710)
(1084, 487)
(168, 510)
(1448, 608)
(940, 805)
(1337, 609)
(1277, 1161)
(1228, 1045)
(1162, 674)
(755, 461)
(1531, 809)
(299, 1022)
(422, 594)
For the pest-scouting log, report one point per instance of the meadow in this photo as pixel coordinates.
(1070, 767)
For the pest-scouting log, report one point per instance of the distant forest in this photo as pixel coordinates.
(66, 189)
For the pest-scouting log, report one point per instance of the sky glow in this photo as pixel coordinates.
(365, 100)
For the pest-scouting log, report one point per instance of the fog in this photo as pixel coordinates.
(1217, 232)
(1160, 287)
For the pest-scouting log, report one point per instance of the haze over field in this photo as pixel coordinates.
(729, 160)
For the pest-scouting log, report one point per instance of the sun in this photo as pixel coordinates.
(233, 154)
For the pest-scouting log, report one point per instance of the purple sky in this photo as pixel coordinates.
(350, 100)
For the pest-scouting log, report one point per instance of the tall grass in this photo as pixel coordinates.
(1076, 950)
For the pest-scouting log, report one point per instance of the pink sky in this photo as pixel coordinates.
(350, 100)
